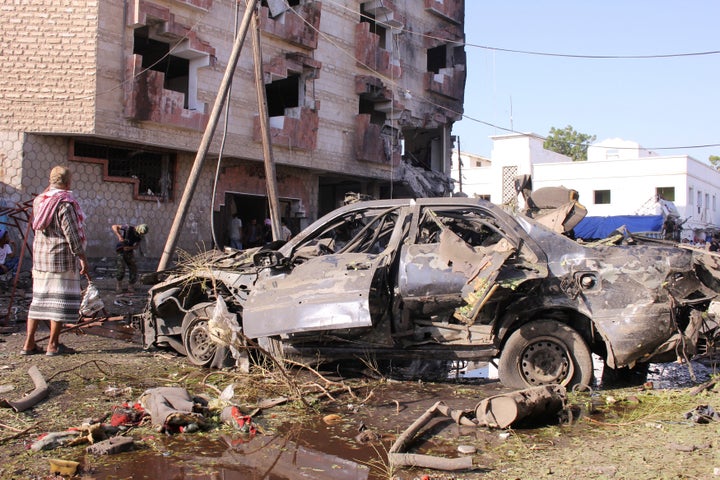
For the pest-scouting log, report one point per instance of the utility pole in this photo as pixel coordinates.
(272, 189)
(460, 165)
(191, 184)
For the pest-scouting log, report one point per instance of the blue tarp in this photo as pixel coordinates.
(602, 227)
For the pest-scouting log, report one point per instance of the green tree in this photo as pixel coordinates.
(569, 142)
(715, 161)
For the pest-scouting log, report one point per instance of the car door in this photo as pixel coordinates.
(455, 262)
(336, 276)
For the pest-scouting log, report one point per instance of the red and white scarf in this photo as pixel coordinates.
(46, 203)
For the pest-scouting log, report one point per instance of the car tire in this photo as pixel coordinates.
(200, 348)
(545, 352)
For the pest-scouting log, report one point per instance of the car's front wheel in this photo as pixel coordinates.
(545, 352)
(199, 346)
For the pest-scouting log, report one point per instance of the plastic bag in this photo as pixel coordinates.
(224, 329)
(91, 301)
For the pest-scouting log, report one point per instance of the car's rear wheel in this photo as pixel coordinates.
(199, 346)
(545, 352)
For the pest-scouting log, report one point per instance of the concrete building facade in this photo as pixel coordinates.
(619, 178)
(361, 97)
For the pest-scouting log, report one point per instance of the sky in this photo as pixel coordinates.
(659, 103)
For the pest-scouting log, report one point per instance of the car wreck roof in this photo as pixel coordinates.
(420, 201)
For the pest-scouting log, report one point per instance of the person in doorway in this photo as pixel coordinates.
(8, 259)
(58, 261)
(236, 232)
(267, 231)
(129, 238)
(254, 235)
(286, 233)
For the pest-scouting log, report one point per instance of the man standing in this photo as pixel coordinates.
(129, 238)
(286, 233)
(236, 232)
(58, 254)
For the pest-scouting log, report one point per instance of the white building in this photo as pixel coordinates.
(619, 178)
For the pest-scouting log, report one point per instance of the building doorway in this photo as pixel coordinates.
(253, 207)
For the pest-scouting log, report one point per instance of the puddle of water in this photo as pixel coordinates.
(677, 375)
(229, 458)
(475, 370)
(662, 375)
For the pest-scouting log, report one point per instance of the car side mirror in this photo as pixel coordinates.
(268, 259)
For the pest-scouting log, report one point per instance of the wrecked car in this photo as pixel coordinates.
(451, 279)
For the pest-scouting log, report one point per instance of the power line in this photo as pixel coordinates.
(532, 52)
(595, 57)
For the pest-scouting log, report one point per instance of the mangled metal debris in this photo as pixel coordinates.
(531, 405)
(539, 404)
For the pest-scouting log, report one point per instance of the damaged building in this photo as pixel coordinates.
(361, 98)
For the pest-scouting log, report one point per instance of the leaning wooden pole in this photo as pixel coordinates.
(272, 188)
(191, 184)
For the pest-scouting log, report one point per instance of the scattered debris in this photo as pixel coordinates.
(532, 404)
(63, 467)
(688, 448)
(171, 408)
(397, 458)
(52, 440)
(117, 391)
(233, 416)
(332, 419)
(703, 414)
(35, 397)
(112, 446)
(499, 411)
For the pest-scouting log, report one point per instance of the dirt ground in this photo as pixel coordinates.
(631, 433)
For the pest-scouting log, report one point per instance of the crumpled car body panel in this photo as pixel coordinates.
(340, 286)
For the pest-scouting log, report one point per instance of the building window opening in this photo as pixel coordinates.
(368, 107)
(156, 56)
(282, 94)
(602, 197)
(442, 56)
(437, 58)
(278, 7)
(665, 193)
(154, 171)
(375, 27)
